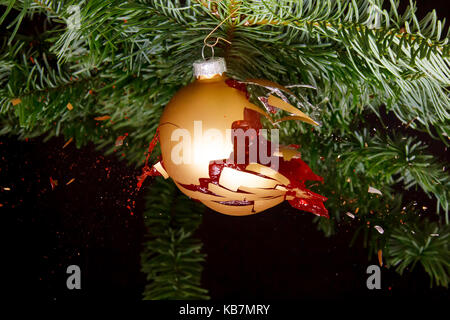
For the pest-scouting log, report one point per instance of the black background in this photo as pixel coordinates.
(277, 254)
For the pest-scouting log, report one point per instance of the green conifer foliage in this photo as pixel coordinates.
(113, 69)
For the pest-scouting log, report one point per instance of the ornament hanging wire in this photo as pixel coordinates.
(213, 44)
(203, 52)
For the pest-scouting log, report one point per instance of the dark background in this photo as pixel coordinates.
(278, 254)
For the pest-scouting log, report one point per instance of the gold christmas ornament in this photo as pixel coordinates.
(215, 149)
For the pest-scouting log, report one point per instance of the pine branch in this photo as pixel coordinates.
(399, 62)
(396, 160)
(347, 178)
(426, 245)
(171, 257)
(135, 55)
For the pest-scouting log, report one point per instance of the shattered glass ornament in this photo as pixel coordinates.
(215, 149)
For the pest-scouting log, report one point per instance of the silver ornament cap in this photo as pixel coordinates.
(210, 67)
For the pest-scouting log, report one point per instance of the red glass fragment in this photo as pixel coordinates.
(237, 85)
(268, 106)
(53, 183)
(119, 140)
(146, 170)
